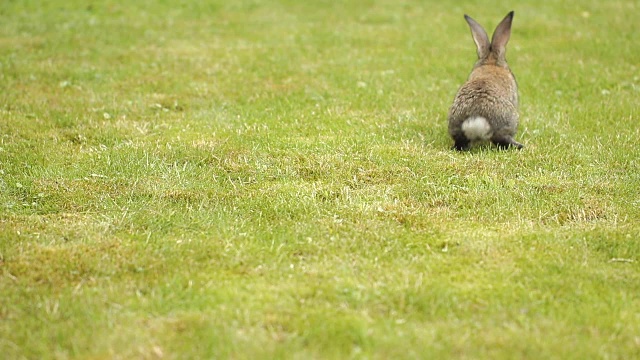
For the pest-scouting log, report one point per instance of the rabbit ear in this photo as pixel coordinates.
(479, 36)
(501, 36)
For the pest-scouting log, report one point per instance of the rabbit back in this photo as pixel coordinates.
(491, 94)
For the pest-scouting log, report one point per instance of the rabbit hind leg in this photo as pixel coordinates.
(505, 142)
(461, 143)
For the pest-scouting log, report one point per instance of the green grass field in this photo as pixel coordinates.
(262, 179)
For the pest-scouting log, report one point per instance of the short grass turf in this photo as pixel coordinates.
(272, 179)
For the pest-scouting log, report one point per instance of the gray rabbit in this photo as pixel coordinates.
(486, 106)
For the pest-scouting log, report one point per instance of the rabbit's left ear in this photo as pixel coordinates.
(501, 36)
(480, 37)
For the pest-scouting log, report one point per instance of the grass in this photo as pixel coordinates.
(273, 179)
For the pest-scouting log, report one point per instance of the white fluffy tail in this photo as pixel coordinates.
(477, 128)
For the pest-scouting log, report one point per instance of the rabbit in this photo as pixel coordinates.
(486, 106)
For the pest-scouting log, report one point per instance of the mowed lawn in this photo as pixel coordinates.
(263, 179)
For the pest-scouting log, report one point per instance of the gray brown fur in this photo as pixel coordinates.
(491, 92)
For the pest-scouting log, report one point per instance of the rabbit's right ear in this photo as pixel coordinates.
(501, 36)
(480, 37)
